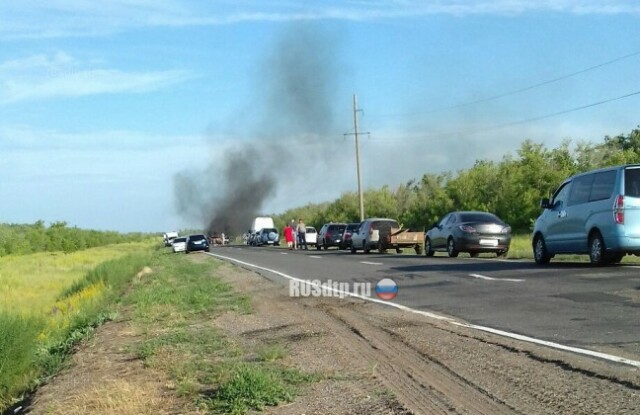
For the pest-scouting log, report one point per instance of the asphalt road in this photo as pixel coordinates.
(574, 304)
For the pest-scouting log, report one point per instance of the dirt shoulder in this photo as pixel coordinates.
(371, 360)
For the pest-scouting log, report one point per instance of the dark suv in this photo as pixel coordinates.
(330, 235)
(197, 243)
(267, 236)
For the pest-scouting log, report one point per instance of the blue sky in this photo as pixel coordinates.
(103, 103)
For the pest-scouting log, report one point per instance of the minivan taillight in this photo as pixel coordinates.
(618, 210)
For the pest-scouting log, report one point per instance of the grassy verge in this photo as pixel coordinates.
(174, 311)
(53, 307)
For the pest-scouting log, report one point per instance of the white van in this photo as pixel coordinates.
(261, 222)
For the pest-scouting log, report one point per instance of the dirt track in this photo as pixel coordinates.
(375, 360)
(430, 367)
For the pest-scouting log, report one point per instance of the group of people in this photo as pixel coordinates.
(296, 235)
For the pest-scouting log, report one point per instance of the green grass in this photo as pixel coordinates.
(175, 310)
(35, 341)
(252, 387)
(32, 283)
(272, 352)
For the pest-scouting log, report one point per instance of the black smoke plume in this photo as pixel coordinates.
(295, 87)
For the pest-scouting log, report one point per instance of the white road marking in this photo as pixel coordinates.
(371, 263)
(585, 352)
(283, 253)
(315, 256)
(484, 277)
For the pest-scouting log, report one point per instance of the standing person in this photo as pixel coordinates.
(288, 236)
(295, 236)
(302, 234)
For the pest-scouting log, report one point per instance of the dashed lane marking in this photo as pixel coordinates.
(484, 277)
(371, 263)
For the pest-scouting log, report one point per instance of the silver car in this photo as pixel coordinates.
(368, 234)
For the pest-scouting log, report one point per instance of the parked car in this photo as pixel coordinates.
(330, 235)
(312, 236)
(472, 232)
(595, 213)
(253, 238)
(179, 244)
(346, 235)
(197, 243)
(369, 232)
(267, 236)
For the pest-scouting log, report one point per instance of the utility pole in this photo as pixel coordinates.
(355, 126)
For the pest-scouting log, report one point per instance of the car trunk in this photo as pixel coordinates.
(385, 229)
(487, 229)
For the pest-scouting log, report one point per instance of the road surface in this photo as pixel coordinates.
(572, 304)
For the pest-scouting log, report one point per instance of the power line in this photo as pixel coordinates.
(516, 91)
(537, 118)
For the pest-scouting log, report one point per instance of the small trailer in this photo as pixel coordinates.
(400, 238)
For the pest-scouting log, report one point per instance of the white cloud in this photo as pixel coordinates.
(60, 18)
(60, 75)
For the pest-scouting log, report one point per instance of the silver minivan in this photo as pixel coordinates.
(595, 213)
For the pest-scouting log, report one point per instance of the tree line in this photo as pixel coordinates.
(20, 239)
(511, 188)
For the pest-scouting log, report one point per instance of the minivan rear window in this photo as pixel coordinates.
(632, 182)
(603, 185)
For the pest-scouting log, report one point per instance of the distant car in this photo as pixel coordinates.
(169, 237)
(346, 235)
(472, 232)
(197, 243)
(180, 244)
(267, 236)
(370, 232)
(251, 239)
(330, 235)
(312, 236)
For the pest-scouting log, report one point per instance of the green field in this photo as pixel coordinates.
(50, 301)
(53, 301)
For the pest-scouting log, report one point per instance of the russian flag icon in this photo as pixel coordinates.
(386, 289)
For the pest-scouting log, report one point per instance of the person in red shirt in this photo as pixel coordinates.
(288, 236)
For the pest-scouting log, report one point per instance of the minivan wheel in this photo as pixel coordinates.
(540, 253)
(451, 248)
(596, 250)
